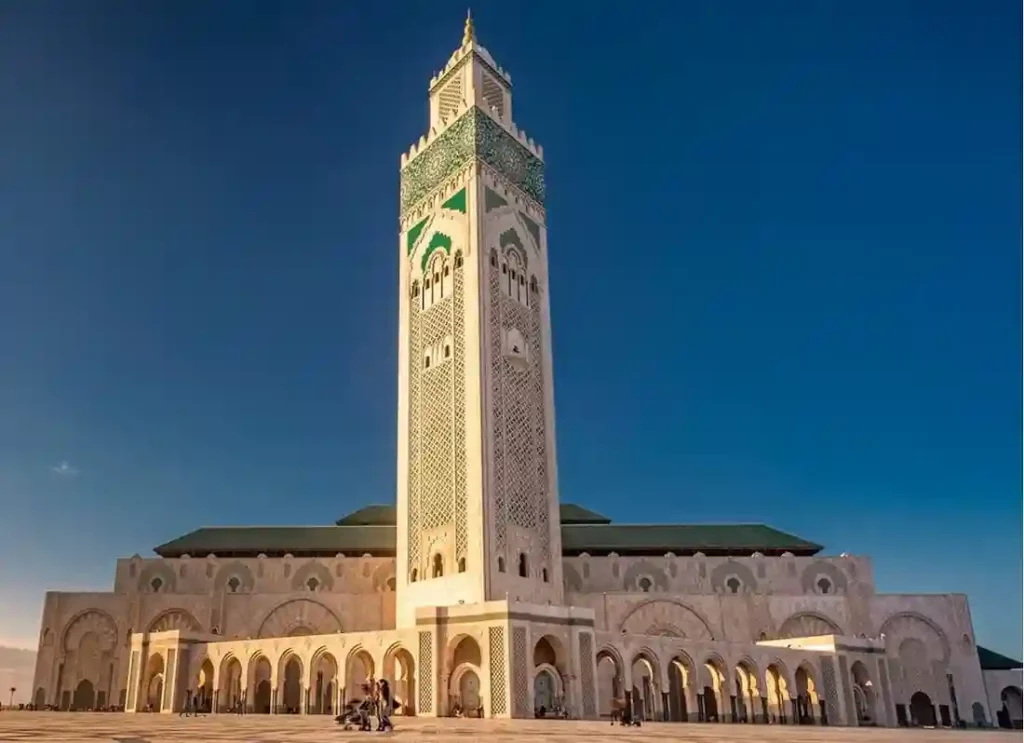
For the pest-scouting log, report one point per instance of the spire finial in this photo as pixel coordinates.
(467, 33)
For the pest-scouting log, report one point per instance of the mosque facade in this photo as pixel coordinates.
(480, 591)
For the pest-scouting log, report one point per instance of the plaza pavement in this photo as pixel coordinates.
(110, 727)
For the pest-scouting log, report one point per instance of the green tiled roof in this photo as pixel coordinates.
(990, 660)
(681, 539)
(371, 530)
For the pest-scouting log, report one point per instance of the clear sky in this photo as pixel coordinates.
(785, 271)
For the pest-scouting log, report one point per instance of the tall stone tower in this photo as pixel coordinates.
(477, 484)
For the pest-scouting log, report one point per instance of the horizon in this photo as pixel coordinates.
(784, 253)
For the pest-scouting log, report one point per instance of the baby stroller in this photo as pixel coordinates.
(355, 713)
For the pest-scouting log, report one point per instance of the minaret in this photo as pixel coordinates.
(477, 483)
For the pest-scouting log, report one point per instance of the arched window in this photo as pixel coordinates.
(544, 575)
(645, 584)
(462, 564)
(824, 585)
(234, 584)
(415, 289)
(447, 351)
(413, 575)
(733, 584)
(523, 571)
(447, 270)
(312, 584)
(438, 566)
(156, 584)
(458, 259)
(494, 259)
(391, 584)
(426, 362)
(501, 564)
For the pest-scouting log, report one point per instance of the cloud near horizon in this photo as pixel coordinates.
(64, 469)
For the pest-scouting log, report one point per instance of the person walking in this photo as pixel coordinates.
(385, 707)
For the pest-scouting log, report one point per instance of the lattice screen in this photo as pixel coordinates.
(828, 678)
(499, 674)
(437, 424)
(426, 672)
(415, 535)
(459, 405)
(587, 675)
(450, 96)
(493, 96)
(497, 404)
(520, 674)
(520, 430)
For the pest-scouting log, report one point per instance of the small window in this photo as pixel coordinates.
(824, 585)
(447, 270)
(234, 584)
(533, 284)
(426, 362)
(513, 274)
(645, 584)
(413, 575)
(447, 351)
(504, 268)
(438, 566)
(415, 290)
(523, 567)
(544, 575)
(494, 260)
(458, 260)
(522, 281)
(312, 584)
(733, 584)
(462, 564)
(501, 564)
(426, 283)
(437, 277)
(156, 584)
(391, 583)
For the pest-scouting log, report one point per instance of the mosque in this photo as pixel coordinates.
(479, 592)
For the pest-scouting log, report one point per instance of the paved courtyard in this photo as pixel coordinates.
(62, 727)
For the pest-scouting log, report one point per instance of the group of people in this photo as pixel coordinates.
(377, 702)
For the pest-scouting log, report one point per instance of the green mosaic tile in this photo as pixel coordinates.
(438, 240)
(475, 134)
(457, 203)
(414, 234)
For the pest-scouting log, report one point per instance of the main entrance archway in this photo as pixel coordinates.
(922, 711)
(85, 696)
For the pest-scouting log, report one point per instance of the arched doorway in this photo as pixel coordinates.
(154, 684)
(712, 690)
(863, 694)
(609, 682)
(748, 699)
(358, 672)
(777, 692)
(400, 671)
(203, 686)
(922, 711)
(262, 696)
(807, 705)
(645, 688)
(229, 693)
(678, 688)
(464, 686)
(546, 691)
(291, 686)
(85, 696)
(1013, 707)
(323, 687)
(39, 700)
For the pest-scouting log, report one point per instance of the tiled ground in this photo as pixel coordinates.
(63, 727)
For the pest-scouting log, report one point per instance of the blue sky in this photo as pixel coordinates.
(784, 246)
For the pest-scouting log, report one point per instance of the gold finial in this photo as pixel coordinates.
(467, 33)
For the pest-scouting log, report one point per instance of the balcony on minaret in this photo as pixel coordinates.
(471, 78)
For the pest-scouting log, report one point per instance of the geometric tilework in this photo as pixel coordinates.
(499, 674)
